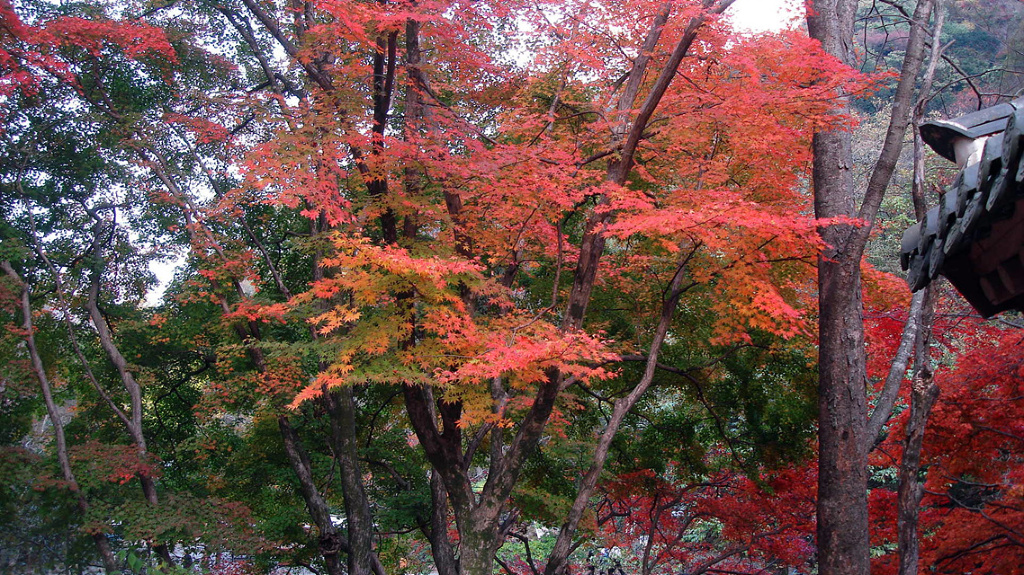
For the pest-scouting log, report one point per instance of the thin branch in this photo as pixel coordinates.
(897, 371)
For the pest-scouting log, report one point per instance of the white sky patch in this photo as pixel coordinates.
(753, 16)
(164, 271)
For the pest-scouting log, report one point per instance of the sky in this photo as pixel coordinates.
(764, 15)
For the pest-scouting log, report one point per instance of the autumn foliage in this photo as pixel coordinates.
(450, 272)
(973, 501)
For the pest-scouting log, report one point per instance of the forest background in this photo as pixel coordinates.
(475, 287)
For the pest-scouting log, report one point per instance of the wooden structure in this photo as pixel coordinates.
(975, 235)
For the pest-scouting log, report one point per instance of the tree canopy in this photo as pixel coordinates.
(460, 287)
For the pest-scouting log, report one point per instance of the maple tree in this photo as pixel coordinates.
(442, 301)
(973, 503)
(970, 452)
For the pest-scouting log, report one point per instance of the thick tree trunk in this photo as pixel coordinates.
(331, 542)
(359, 522)
(842, 405)
(843, 442)
(842, 470)
(477, 549)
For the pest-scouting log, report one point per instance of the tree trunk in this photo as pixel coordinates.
(330, 540)
(842, 406)
(131, 386)
(842, 468)
(100, 539)
(923, 394)
(342, 414)
(437, 533)
(911, 489)
(843, 444)
(476, 551)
